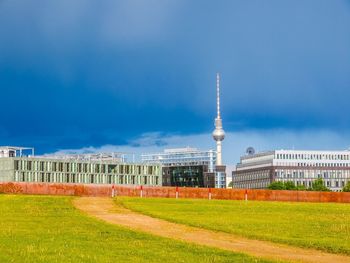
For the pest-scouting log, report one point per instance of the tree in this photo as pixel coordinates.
(230, 184)
(301, 188)
(346, 188)
(318, 185)
(289, 185)
(277, 186)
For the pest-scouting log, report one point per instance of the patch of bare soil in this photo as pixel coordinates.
(107, 210)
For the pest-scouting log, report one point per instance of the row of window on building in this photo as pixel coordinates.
(251, 176)
(313, 174)
(260, 184)
(86, 178)
(51, 166)
(305, 156)
(314, 164)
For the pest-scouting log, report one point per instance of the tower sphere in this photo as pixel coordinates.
(218, 134)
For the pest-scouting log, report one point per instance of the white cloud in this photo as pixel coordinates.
(234, 144)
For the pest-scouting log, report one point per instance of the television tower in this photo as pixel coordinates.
(218, 133)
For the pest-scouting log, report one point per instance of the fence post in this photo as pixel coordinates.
(141, 192)
(113, 191)
(177, 192)
(246, 195)
(209, 195)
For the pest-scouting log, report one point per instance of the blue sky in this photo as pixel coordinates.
(140, 75)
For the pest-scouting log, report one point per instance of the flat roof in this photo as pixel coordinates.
(266, 153)
(15, 148)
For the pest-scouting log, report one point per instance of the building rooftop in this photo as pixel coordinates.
(14, 151)
(176, 150)
(107, 156)
(15, 148)
(186, 150)
(265, 153)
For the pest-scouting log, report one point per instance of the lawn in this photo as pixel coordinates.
(324, 226)
(50, 229)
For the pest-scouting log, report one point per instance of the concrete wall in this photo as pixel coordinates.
(7, 172)
(170, 192)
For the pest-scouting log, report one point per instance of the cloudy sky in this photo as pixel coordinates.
(139, 75)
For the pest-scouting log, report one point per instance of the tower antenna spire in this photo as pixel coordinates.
(218, 94)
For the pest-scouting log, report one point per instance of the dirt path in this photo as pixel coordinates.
(107, 210)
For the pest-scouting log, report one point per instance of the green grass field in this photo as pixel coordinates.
(50, 229)
(323, 226)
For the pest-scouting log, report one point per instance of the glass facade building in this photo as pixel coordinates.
(188, 167)
(188, 176)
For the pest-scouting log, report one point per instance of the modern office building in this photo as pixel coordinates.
(186, 167)
(103, 168)
(302, 167)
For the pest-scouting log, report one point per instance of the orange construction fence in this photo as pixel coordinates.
(170, 192)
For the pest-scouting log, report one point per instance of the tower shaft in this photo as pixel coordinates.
(218, 95)
(218, 153)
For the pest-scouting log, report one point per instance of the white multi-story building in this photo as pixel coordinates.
(187, 167)
(301, 167)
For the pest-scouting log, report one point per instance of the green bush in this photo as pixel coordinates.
(301, 188)
(277, 186)
(346, 188)
(290, 185)
(318, 185)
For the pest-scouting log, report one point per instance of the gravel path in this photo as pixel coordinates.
(107, 210)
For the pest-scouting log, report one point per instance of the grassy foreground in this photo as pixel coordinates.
(323, 226)
(50, 229)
